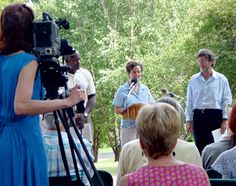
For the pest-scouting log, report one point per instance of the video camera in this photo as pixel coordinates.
(48, 47)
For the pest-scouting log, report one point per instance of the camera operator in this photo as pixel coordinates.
(84, 80)
(22, 158)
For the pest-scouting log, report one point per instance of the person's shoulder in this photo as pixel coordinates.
(219, 75)
(132, 144)
(211, 150)
(226, 156)
(143, 85)
(84, 71)
(185, 144)
(29, 56)
(133, 150)
(123, 87)
(124, 180)
(132, 147)
(194, 167)
(200, 171)
(210, 147)
(194, 76)
(229, 153)
(25, 58)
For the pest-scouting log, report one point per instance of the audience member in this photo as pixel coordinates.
(213, 150)
(22, 159)
(167, 93)
(225, 164)
(132, 158)
(158, 127)
(55, 164)
(83, 79)
(128, 100)
(208, 96)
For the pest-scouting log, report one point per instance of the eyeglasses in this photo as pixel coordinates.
(203, 61)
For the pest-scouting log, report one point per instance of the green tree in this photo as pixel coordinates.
(149, 31)
(164, 35)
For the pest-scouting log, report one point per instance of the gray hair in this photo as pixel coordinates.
(49, 121)
(208, 54)
(171, 101)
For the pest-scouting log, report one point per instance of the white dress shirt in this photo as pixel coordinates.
(213, 93)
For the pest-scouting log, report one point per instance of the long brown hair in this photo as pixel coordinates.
(16, 28)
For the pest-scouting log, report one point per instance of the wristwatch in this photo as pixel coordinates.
(85, 114)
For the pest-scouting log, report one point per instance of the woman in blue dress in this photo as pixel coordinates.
(128, 100)
(22, 156)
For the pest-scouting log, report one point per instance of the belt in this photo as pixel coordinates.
(203, 111)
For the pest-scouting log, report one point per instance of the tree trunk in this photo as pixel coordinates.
(96, 143)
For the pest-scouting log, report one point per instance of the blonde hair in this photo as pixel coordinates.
(158, 126)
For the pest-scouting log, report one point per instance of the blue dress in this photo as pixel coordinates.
(23, 160)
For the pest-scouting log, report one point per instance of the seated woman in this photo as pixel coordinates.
(225, 164)
(158, 127)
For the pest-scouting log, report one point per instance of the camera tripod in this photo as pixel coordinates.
(53, 77)
(64, 115)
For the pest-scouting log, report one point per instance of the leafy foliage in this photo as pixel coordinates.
(164, 35)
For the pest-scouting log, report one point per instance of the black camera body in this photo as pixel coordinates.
(47, 42)
(48, 47)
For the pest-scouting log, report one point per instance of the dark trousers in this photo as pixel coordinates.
(205, 121)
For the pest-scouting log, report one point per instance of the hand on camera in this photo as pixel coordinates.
(76, 95)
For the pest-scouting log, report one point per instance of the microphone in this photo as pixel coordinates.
(133, 82)
(132, 85)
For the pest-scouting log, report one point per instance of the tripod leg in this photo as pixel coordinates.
(66, 127)
(74, 147)
(62, 149)
(86, 152)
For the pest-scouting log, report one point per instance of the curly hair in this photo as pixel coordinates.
(131, 64)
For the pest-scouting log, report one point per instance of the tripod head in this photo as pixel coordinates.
(53, 76)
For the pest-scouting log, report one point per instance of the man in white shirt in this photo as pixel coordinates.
(83, 78)
(208, 96)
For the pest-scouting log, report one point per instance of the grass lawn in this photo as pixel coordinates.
(107, 164)
(104, 150)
